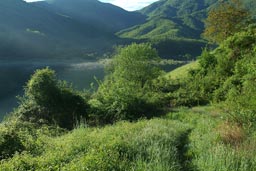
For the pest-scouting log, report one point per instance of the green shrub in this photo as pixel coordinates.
(48, 100)
(224, 74)
(126, 92)
(10, 143)
(17, 136)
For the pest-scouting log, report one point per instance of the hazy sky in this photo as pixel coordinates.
(130, 5)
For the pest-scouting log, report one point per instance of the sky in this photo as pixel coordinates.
(130, 5)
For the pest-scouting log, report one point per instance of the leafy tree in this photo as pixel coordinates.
(51, 101)
(127, 92)
(227, 18)
(134, 64)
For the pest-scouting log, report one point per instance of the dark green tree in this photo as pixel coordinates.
(52, 101)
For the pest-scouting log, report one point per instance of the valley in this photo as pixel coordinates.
(89, 86)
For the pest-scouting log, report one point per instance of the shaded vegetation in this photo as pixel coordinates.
(50, 101)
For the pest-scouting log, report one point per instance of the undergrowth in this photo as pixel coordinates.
(214, 143)
(145, 145)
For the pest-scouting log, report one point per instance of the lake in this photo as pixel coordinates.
(15, 74)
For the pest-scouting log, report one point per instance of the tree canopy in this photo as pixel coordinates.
(225, 19)
(126, 92)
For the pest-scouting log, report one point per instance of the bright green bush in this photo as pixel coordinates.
(127, 92)
(226, 74)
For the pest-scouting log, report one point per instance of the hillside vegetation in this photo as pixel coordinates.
(198, 117)
(146, 145)
(171, 23)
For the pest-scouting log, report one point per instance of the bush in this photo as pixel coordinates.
(48, 100)
(127, 92)
(224, 74)
(10, 143)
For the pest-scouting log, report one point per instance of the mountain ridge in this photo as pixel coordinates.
(38, 31)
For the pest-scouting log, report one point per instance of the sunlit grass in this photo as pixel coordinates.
(146, 145)
(182, 71)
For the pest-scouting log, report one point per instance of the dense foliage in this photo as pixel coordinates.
(146, 146)
(48, 100)
(52, 129)
(226, 74)
(225, 19)
(126, 92)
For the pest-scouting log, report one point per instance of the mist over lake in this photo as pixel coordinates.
(80, 73)
(15, 74)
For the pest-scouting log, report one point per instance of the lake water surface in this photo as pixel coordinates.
(15, 74)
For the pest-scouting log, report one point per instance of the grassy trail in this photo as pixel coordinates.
(186, 139)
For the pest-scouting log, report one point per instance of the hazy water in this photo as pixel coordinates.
(14, 75)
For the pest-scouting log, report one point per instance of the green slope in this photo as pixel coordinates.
(182, 71)
(145, 145)
(175, 18)
(186, 17)
(158, 28)
(175, 26)
(94, 12)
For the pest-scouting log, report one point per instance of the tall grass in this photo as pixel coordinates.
(214, 145)
(146, 145)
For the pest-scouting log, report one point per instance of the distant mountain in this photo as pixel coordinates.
(171, 23)
(90, 28)
(56, 29)
(94, 12)
(177, 18)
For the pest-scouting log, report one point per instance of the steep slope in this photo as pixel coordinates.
(175, 23)
(61, 28)
(185, 18)
(28, 31)
(179, 18)
(94, 12)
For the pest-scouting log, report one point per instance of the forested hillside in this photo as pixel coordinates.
(199, 117)
(86, 28)
(175, 19)
(60, 30)
(183, 19)
(172, 22)
(95, 13)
